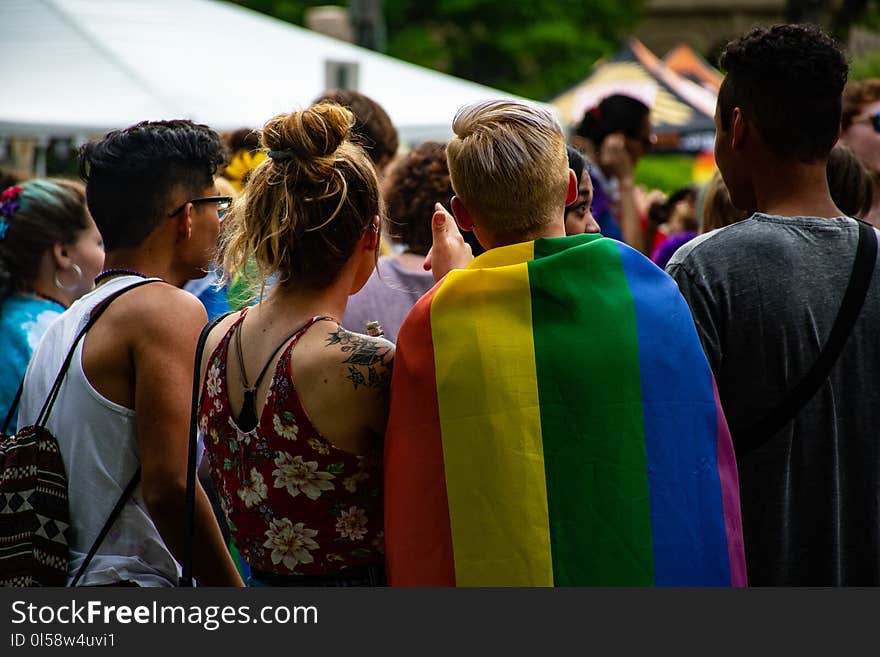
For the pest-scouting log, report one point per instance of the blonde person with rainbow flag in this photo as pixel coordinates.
(554, 420)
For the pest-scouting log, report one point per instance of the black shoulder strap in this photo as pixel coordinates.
(850, 308)
(189, 521)
(114, 514)
(13, 407)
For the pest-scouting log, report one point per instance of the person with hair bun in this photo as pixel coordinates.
(300, 480)
(50, 253)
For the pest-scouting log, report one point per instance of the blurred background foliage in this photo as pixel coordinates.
(534, 49)
(665, 172)
(538, 48)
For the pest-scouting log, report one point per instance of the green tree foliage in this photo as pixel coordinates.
(667, 173)
(531, 47)
(535, 48)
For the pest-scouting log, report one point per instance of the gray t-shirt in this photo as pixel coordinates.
(387, 297)
(764, 295)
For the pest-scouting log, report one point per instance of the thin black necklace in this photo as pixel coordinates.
(46, 297)
(107, 273)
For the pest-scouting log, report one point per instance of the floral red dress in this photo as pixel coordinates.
(295, 503)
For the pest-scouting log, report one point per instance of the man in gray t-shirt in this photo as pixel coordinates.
(764, 295)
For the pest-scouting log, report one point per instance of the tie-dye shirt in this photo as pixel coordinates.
(23, 321)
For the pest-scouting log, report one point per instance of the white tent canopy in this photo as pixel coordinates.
(81, 67)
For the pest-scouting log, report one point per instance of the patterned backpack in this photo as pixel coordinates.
(34, 513)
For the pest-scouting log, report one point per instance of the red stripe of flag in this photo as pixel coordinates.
(418, 535)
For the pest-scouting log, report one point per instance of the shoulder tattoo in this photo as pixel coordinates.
(368, 366)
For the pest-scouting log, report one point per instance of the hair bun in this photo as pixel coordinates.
(316, 132)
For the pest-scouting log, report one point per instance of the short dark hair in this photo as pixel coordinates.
(130, 175)
(373, 127)
(243, 139)
(415, 183)
(615, 113)
(788, 81)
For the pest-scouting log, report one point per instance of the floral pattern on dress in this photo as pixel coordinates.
(213, 381)
(299, 476)
(255, 490)
(290, 544)
(286, 428)
(319, 446)
(351, 483)
(352, 524)
(294, 501)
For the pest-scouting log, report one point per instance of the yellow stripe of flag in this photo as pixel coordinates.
(492, 450)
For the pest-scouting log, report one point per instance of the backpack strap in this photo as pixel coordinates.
(853, 299)
(186, 578)
(114, 514)
(97, 311)
(13, 407)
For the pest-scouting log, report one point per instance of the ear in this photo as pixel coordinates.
(60, 256)
(184, 223)
(739, 129)
(572, 193)
(371, 235)
(462, 216)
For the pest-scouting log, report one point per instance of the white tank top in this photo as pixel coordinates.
(100, 453)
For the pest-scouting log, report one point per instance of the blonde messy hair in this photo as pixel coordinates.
(509, 166)
(305, 207)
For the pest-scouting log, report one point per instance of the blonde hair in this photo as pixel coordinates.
(305, 207)
(508, 165)
(718, 209)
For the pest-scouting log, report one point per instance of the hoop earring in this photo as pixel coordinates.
(69, 288)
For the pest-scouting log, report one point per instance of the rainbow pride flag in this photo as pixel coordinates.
(554, 421)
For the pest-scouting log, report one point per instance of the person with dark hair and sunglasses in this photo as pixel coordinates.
(860, 124)
(124, 406)
(765, 293)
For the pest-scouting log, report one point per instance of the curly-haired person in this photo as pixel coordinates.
(765, 293)
(416, 182)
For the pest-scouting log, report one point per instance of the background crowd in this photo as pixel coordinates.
(296, 236)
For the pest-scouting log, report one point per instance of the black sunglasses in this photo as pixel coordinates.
(874, 119)
(223, 204)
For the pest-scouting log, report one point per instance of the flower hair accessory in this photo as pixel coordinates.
(8, 206)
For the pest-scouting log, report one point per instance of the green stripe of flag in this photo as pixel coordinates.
(586, 348)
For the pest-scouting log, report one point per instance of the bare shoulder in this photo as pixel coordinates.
(158, 318)
(345, 370)
(159, 304)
